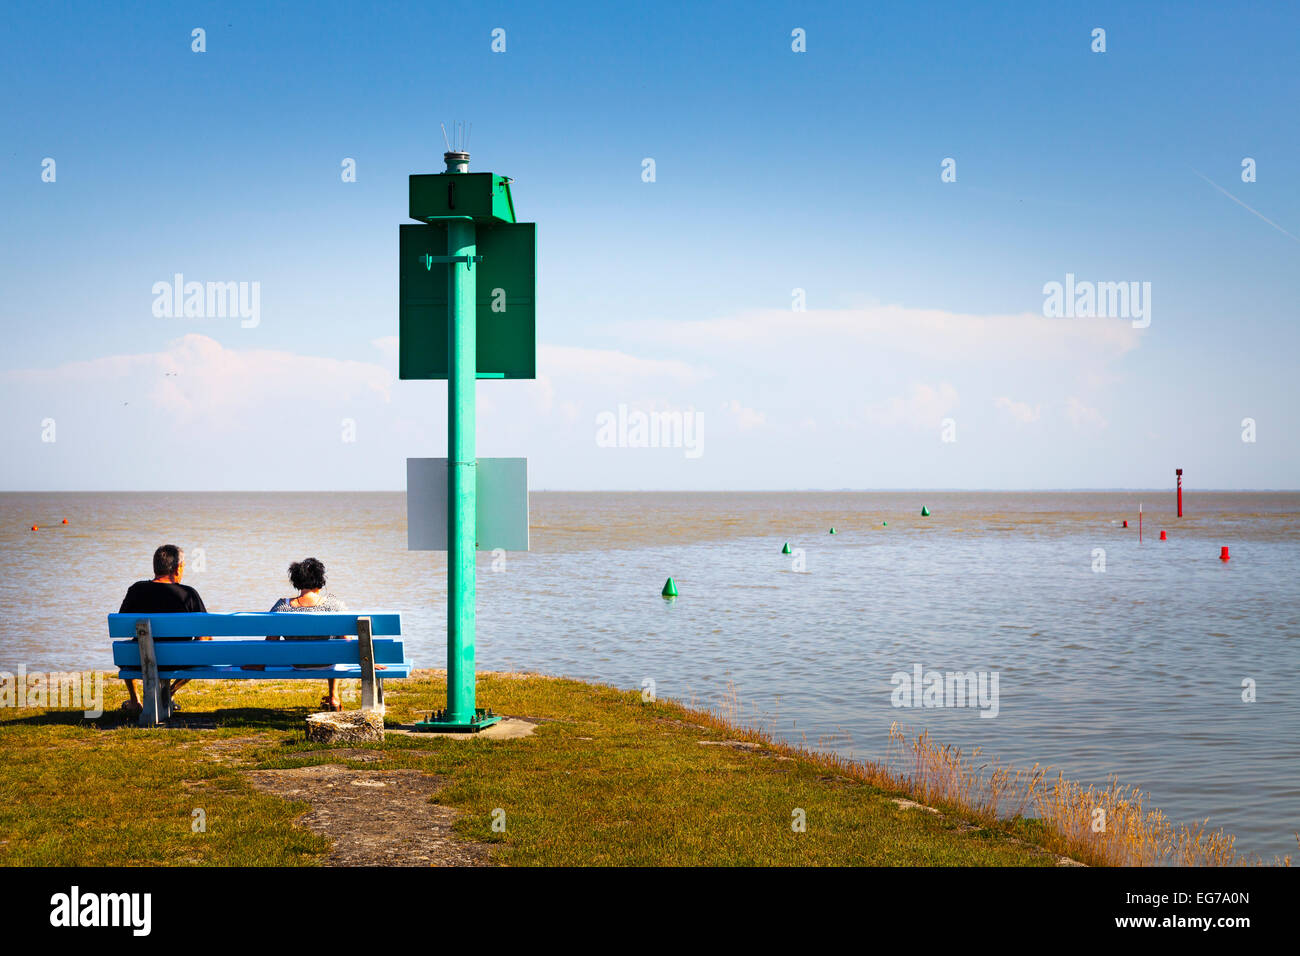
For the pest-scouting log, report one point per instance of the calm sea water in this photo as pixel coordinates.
(1135, 672)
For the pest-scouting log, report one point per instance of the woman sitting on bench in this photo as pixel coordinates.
(308, 576)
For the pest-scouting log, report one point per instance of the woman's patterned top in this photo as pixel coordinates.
(327, 602)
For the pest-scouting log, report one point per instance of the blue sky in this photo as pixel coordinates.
(775, 170)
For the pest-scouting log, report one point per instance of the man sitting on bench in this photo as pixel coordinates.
(163, 595)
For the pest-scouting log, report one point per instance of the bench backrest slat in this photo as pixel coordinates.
(262, 624)
(217, 653)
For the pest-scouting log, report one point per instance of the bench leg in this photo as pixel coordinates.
(164, 699)
(151, 691)
(372, 695)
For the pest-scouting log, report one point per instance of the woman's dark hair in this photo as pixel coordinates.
(307, 574)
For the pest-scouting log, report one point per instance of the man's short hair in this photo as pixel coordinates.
(166, 560)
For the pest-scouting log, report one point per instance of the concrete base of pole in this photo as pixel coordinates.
(506, 728)
(442, 723)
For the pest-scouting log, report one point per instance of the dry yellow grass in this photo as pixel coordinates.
(1111, 826)
(1100, 826)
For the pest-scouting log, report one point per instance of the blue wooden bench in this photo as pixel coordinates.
(146, 649)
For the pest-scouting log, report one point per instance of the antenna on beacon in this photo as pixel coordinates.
(457, 154)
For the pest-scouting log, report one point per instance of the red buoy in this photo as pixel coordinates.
(1162, 536)
(33, 527)
(1126, 524)
(1223, 553)
(65, 520)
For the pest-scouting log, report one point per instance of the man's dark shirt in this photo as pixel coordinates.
(162, 597)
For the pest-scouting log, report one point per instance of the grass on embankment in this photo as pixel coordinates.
(605, 779)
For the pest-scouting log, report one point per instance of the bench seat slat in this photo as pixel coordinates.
(253, 624)
(219, 652)
(338, 671)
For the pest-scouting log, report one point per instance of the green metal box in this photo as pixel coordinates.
(505, 301)
(483, 197)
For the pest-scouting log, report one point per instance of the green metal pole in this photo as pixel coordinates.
(462, 463)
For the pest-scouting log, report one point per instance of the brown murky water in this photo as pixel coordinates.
(1112, 657)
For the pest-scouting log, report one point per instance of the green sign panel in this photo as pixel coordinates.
(479, 196)
(505, 279)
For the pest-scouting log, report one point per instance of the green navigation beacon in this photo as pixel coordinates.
(468, 280)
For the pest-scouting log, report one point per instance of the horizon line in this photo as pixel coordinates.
(683, 491)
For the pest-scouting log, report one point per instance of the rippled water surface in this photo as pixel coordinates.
(1135, 672)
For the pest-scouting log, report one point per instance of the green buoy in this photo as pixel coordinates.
(670, 589)
(832, 530)
(785, 548)
(884, 524)
(925, 512)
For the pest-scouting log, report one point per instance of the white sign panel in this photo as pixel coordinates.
(502, 504)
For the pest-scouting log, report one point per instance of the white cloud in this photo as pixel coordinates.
(935, 334)
(745, 418)
(611, 367)
(387, 346)
(197, 379)
(571, 380)
(1083, 416)
(924, 406)
(1020, 411)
